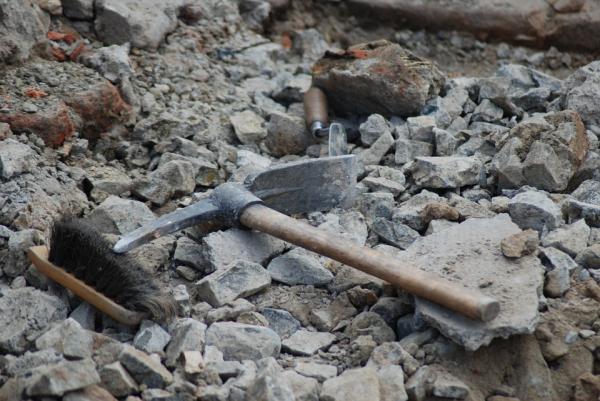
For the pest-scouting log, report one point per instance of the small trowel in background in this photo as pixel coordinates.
(317, 121)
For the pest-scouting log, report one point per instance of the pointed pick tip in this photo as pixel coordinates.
(121, 246)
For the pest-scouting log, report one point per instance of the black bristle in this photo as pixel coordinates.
(79, 249)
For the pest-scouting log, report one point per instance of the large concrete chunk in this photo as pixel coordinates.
(143, 24)
(24, 314)
(469, 254)
(377, 77)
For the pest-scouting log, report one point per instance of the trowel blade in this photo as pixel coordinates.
(307, 185)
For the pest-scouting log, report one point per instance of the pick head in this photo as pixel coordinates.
(307, 185)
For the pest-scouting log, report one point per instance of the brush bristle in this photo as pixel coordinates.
(79, 249)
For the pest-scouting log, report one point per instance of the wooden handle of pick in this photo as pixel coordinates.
(315, 106)
(467, 302)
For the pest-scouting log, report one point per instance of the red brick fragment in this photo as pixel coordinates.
(35, 93)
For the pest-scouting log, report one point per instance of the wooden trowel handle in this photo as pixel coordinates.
(315, 107)
(465, 301)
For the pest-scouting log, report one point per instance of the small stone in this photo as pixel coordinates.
(188, 273)
(252, 318)
(67, 338)
(307, 343)
(352, 385)
(186, 335)
(407, 150)
(447, 386)
(240, 279)
(554, 258)
(586, 333)
(390, 309)
(16, 158)
(557, 282)
(396, 234)
(318, 371)
(299, 267)
(156, 394)
(182, 299)
(238, 341)
(446, 172)
(304, 388)
(381, 184)
(376, 204)
(192, 362)
(325, 319)
(533, 209)
(571, 239)
(590, 257)
(281, 321)
(521, 244)
(90, 393)
(370, 323)
(56, 380)
(116, 380)
(120, 216)
(378, 149)
(145, 369)
(172, 179)
(373, 128)
(78, 9)
(488, 112)
(151, 338)
(189, 253)
(248, 126)
(438, 211)
(85, 315)
(421, 128)
(286, 135)
(391, 383)
(222, 248)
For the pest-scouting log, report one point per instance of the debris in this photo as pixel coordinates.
(145, 369)
(151, 338)
(446, 172)
(248, 127)
(116, 380)
(281, 321)
(571, 239)
(186, 335)
(119, 216)
(299, 266)
(373, 128)
(304, 342)
(520, 244)
(240, 341)
(318, 371)
(352, 385)
(370, 323)
(63, 377)
(286, 135)
(532, 209)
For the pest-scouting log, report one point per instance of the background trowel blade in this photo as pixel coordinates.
(307, 185)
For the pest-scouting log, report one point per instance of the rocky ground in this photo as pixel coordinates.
(121, 112)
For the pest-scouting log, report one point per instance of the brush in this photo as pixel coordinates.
(82, 260)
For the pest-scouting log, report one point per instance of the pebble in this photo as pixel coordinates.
(299, 267)
(318, 371)
(281, 321)
(151, 338)
(117, 380)
(238, 341)
(520, 244)
(307, 343)
(145, 369)
(352, 385)
(187, 334)
(535, 210)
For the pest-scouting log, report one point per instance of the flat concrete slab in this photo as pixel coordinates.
(470, 254)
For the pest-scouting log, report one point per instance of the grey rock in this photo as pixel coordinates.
(16, 158)
(557, 282)
(581, 92)
(304, 342)
(418, 386)
(309, 43)
(16, 263)
(590, 257)
(391, 383)
(521, 244)
(585, 203)
(352, 385)
(544, 168)
(238, 341)
(487, 111)
(78, 9)
(145, 369)
(63, 377)
(248, 127)
(407, 150)
(157, 394)
(182, 299)
(381, 184)
(23, 364)
(421, 128)
(229, 312)
(299, 267)
(24, 314)
(445, 143)
(105, 181)
(535, 210)
(439, 225)
(370, 323)
(304, 388)
(23, 25)
(186, 335)
(392, 353)
(189, 253)
(222, 248)
(281, 321)
(144, 26)
(411, 211)
(375, 205)
(326, 319)
(151, 338)
(240, 279)
(515, 282)
(172, 179)
(390, 309)
(446, 172)
(445, 385)
(375, 126)
(112, 62)
(286, 135)
(269, 387)
(554, 258)
(318, 371)
(120, 216)
(116, 380)
(206, 172)
(378, 149)
(571, 239)
(418, 338)
(396, 234)
(69, 339)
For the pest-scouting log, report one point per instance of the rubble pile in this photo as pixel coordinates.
(122, 111)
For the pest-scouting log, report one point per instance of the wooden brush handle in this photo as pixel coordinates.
(38, 255)
(465, 301)
(315, 107)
